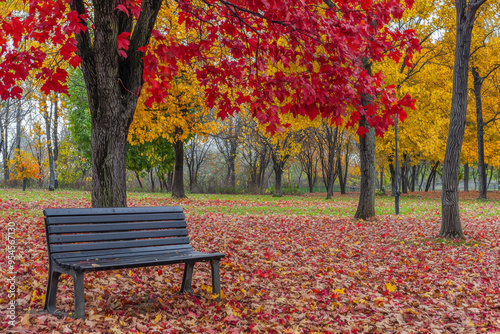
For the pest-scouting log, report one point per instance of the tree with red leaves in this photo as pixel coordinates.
(300, 57)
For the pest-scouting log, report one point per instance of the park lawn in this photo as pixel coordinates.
(293, 264)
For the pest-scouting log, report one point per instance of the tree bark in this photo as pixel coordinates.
(113, 85)
(178, 178)
(451, 226)
(367, 155)
(278, 176)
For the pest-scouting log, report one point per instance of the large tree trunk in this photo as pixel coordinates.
(481, 167)
(113, 84)
(451, 226)
(178, 178)
(367, 155)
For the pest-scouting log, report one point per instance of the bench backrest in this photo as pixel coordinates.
(115, 230)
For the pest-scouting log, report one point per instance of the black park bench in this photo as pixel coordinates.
(82, 240)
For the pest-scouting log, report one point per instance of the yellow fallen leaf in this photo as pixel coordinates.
(390, 287)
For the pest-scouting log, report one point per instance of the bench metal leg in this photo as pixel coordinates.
(50, 296)
(79, 295)
(214, 265)
(187, 278)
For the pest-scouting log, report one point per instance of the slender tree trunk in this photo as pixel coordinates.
(230, 179)
(451, 226)
(367, 154)
(151, 177)
(414, 172)
(310, 182)
(491, 176)
(138, 179)
(393, 179)
(424, 170)
(25, 182)
(50, 154)
(178, 178)
(5, 140)
(170, 181)
(404, 175)
(466, 177)
(343, 178)
(381, 188)
(18, 126)
(481, 167)
(432, 177)
(278, 176)
(55, 147)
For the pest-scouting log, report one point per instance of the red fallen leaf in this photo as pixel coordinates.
(233, 320)
(142, 328)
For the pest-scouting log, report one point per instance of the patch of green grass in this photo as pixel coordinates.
(439, 241)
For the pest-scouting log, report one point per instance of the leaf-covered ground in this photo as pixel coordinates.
(293, 265)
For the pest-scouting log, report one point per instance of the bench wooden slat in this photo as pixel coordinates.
(133, 262)
(110, 236)
(110, 211)
(128, 258)
(113, 218)
(122, 252)
(83, 228)
(117, 244)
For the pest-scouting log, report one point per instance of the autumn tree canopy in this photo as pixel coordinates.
(298, 57)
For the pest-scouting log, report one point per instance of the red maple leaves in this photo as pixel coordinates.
(299, 57)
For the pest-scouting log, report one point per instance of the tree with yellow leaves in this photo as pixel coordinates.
(24, 167)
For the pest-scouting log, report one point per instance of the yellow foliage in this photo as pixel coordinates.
(24, 166)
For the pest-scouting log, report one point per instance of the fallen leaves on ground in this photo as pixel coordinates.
(282, 274)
